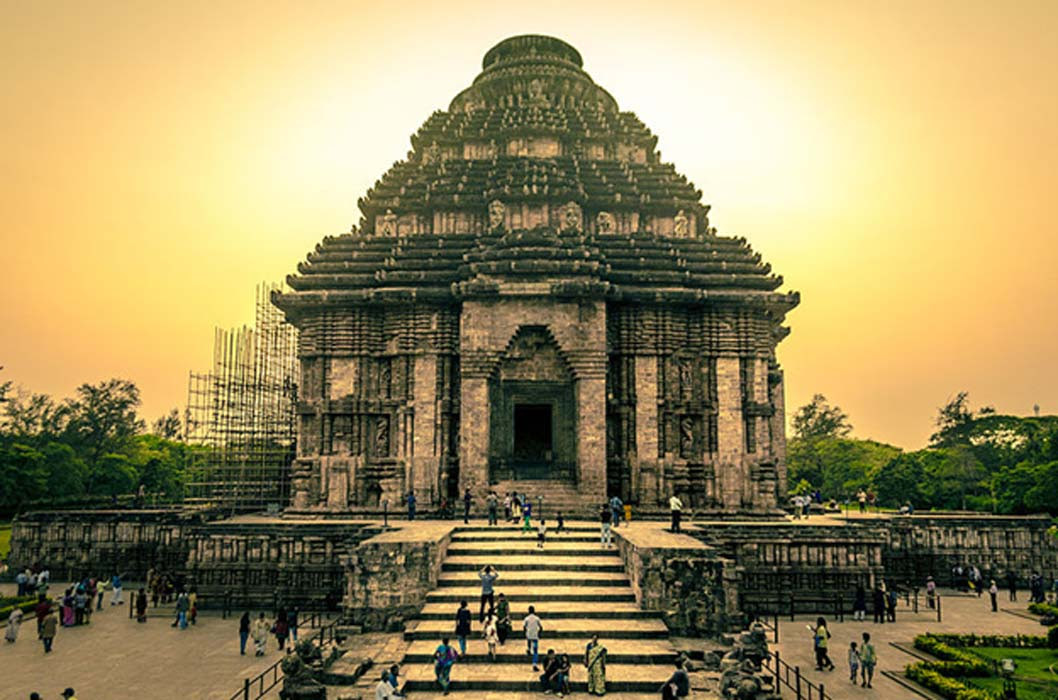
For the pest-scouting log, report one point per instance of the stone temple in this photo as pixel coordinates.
(533, 295)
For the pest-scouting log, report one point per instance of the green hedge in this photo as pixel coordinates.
(954, 661)
(1005, 641)
(1052, 637)
(1043, 609)
(26, 606)
(928, 677)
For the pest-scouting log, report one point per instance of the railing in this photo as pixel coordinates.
(837, 606)
(258, 686)
(790, 676)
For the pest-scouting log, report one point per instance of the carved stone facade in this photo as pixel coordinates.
(535, 295)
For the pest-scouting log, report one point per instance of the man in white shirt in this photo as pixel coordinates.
(675, 506)
(384, 691)
(532, 626)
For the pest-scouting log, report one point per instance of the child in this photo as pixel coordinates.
(491, 635)
(541, 533)
(561, 522)
(527, 516)
(854, 662)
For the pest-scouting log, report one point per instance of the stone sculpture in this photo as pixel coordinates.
(605, 223)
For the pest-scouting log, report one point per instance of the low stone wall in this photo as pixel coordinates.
(931, 545)
(388, 576)
(74, 544)
(807, 566)
(694, 588)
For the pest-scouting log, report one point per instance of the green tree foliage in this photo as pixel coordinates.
(169, 426)
(818, 420)
(89, 446)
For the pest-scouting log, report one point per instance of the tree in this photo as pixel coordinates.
(34, 417)
(102, 419)
(169, 426)
(953, 422)
(901, 480)
(954, 474)
(4, 388)
(818, 420)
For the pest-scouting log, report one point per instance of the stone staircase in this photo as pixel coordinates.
(578, 588)
(557, 497)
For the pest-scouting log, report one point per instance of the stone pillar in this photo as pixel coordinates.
(778, 429)
(423, 466)
(646, 379)
(590, 396)
(473, 432)
(731, 477)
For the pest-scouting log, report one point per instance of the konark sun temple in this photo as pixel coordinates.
(534, 294)
(532, 301)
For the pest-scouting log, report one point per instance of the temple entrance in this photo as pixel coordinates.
(532, 414)
(532, 432)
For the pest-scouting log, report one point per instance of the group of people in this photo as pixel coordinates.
(32, 580)
(283, 627)
(884, 599)
(862, 657)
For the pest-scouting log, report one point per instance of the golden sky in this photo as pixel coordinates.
(895, 161)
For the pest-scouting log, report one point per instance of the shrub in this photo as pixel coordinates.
(929, 677)
(1052, 637)
(5, 612)
(1043, 609)
(1025, 641)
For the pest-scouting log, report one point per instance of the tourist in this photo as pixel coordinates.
(533, 626)
(192, 607)
(292, 622)
(462, 626)
(488, 577)
(141, 606)
(596, 662)
(675, 508)
(66, 608)
(527, 515)
(605, 518)
(503, 619)
(541, 533)
(42, 609)
(854, 662)
(492, 503)
(561, 522)
(91, 589)
(516, 508)
(878, 601)
(507, 507)
(820, 640)
(491, 635)
(21, 580)
(796, 502)
(384, 689)
(859, 604)
(48, 628)
(565, 668)
(549, 678)
(182, 606)
(259, 631)
(861, 497)
(115, 586)
(993, 591)
(80, 602)
(68, 694)
(617, 506)
(244, 632)
(467, 498)
(679, 683)
(394, 680)
(868, 659)
(281, 629)
(14, 621)
(1012, 585)
(931, 592)
(444, 656)
(410, 500)
(891, 604)
(978, 580)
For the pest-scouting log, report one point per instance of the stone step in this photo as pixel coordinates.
(514, 536)
(572, 628)
(536, 578)
(534, 594)
(626, 651)
(491, 695)
(528, 547)
(507, 563)
(521, 677)
(550, 610)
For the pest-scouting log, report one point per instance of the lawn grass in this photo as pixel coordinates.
(1026, 690)
(1033, 665)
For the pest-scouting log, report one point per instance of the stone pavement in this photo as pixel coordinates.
(115, 657)
(962, 614)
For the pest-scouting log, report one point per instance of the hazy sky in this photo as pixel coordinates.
(894, 161)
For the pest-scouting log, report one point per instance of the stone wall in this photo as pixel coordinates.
(74, 544)
(694, 588)
(930, 545)
(388, 576)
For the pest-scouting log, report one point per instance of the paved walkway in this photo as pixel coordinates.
(116, 657)
(962, 614)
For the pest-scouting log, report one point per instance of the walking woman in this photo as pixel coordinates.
(14, 621)
(820, 637)
(596, 660)
(141, 606)
(444, 657)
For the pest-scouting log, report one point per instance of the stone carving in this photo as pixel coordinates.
(382, 436)
(682, 225)
(389, 224)
(686, 437)
(497, 215)
(705, 217)
(605, 223)
(741, 668)
(686, 380)
(384, 378)
(571, 217)
(536, 92)
(432, 154)
(299, 673)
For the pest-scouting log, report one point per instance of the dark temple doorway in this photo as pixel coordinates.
(532, 432)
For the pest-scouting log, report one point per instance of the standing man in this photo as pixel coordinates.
(605, 518)
(676, 508)
(467, 498)
(993, 592)
(462, 626)
(488, 577)
(532, 626)
(244, 632)
(115, 584)
(411, 505)
(879, 603)
(493, 503)
(862, 498)
(1012, 584)
(48, 628)
(617, 506)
